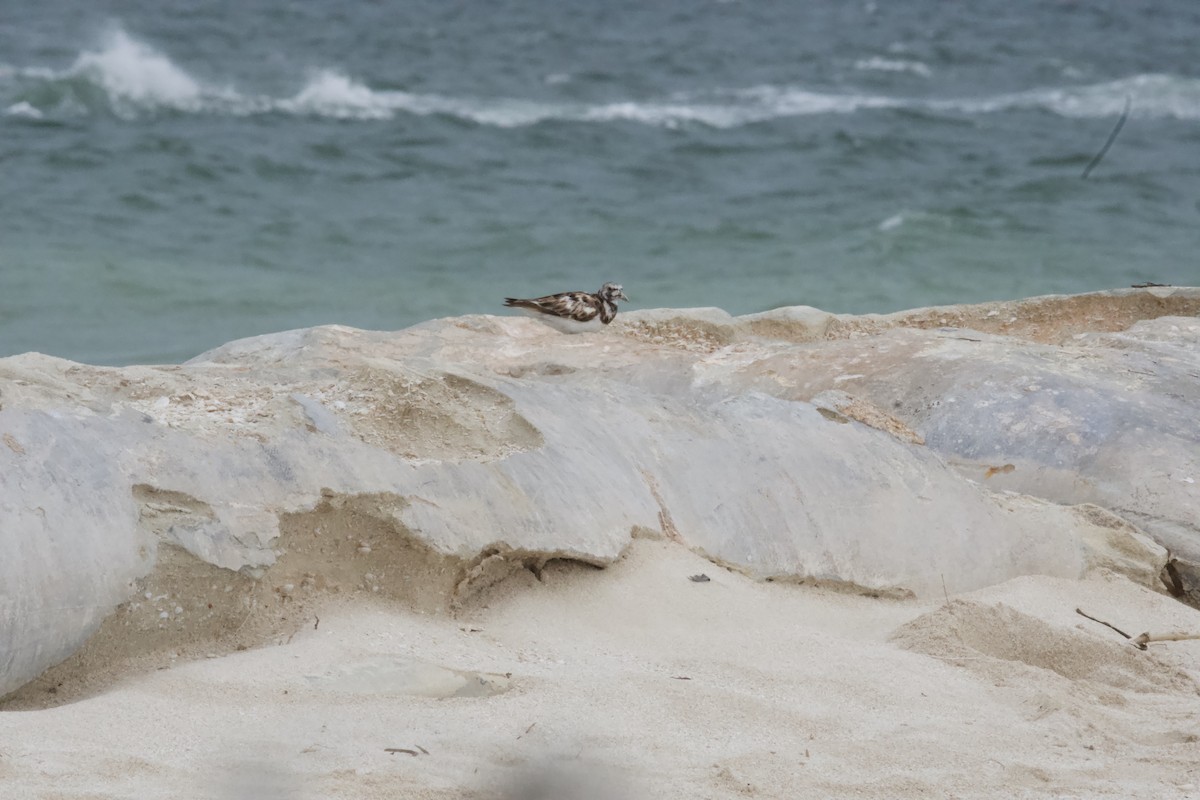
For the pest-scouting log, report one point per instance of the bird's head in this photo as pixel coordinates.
(612, 293)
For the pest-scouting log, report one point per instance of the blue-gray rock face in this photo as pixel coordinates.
(894, 454)
(1075, 416)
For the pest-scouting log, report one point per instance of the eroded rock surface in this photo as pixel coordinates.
(930, 451)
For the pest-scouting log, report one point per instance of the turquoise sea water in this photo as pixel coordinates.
(180, 174)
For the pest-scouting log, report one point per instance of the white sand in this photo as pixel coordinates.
(636, 682)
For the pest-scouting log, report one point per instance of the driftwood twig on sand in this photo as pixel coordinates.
(1141, 640)
(1079, 611)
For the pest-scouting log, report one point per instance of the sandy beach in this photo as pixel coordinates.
(637, 682)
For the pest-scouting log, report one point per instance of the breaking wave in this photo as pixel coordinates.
(1152, 96)
(131, 71)
(129, 78)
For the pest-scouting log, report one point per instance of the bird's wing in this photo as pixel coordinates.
(579, 306)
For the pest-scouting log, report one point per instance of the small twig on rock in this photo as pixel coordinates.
(1141, 640)
(394, 750)
(1079, 611)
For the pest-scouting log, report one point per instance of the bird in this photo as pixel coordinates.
(573, 312)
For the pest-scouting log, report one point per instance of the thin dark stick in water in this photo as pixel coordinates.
(1112, 137)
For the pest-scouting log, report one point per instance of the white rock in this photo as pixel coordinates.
(482, 436)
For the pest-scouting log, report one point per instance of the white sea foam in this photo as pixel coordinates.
(23, 109)
(667, 114)
(329, 93)
(731, 108)
(789, 101)
(130, 70)
(878, 64)
(1152, 96)
(136, 78)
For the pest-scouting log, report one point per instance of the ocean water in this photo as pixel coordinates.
(176, 175)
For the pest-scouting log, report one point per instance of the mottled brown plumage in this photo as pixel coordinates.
(573, 311)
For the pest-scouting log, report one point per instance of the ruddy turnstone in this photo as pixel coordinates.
(573, 312)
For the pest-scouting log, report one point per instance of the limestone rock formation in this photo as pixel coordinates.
(930, 451)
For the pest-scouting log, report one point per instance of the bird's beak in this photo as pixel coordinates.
(622, 296)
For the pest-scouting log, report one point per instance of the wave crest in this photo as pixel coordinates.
(133, 71)
(332, 94)
(128, 77)
(1153, 96)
